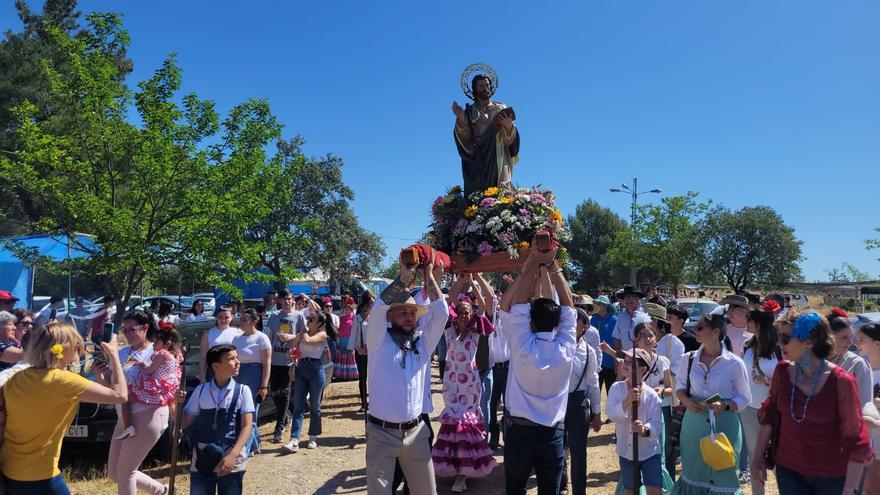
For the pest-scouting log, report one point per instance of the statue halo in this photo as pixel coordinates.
(478, 68)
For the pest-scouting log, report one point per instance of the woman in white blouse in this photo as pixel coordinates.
(223, 333)
(761, 356)
(708, 371)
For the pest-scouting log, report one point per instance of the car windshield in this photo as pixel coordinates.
(698, 309)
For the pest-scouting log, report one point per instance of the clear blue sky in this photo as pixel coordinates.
(752, 102)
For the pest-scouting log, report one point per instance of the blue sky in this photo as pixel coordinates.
(750, 102)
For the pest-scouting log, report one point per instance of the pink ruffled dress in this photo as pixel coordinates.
(159, 388)
(461, 448)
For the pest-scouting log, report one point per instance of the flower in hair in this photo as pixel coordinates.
(57, 350)
(166, 326)
(804, 325)
(839, 312)
(771, 306)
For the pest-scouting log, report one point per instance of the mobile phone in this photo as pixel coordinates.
(711, 400)
(109, 329)
(543, 242)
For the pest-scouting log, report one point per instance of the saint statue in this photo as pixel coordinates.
(486, 138)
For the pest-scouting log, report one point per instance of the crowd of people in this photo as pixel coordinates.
(754, 386)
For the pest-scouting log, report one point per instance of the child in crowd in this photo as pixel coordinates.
(223, 412)
(156, 382)
(648, 424)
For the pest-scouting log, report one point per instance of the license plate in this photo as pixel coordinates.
(81, 431)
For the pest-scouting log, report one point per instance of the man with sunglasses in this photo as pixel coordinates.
(399, 369)
(630, 298)
(283, 327)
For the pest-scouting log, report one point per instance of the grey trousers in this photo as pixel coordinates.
(411, 449)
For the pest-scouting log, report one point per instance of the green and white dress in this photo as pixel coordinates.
(726, 376)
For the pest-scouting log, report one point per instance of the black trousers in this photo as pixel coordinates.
(499, 383)
(361, 360)
(398, 473)
(577, 427)
(607, 377)
(279, 387)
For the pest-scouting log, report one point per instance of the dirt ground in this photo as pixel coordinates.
(337, 466)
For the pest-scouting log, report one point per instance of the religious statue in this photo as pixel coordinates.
(486, 138)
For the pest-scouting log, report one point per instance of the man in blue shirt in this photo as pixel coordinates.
(605, 320)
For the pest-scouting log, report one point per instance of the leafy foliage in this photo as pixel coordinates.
(664, 238)
(846, 273)
(752, 245)
(594, 228)
(179, 189)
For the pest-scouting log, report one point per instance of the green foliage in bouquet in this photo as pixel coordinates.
(494, 220)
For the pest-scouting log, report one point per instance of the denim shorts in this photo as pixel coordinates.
(650, 468)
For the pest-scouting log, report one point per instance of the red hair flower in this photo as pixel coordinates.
(839, 312)
(167, 326)
(771, 306)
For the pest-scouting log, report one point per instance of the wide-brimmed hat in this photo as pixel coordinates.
(629, 290)
(583, 300)
(603, 299)
(5, 295)
(656, 311)
(639, 353)
(409, 303)
(736, 300)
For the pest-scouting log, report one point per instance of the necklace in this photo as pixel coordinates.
(797, 371)
(217, 404)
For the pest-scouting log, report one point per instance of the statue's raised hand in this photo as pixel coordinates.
(459, 113)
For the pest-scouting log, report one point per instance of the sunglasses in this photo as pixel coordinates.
(785, 338)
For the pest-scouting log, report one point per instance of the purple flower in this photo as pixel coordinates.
(461, 226)
(485, 249)
(507, 238)
(537, 198)
(488, 202)
(525, 213)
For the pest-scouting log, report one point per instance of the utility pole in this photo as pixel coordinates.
(635, 193)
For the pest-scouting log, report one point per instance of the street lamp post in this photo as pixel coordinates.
(635, 193)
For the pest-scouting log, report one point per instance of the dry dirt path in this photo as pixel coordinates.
(337, 466)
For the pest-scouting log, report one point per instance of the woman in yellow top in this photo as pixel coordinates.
(40, 403)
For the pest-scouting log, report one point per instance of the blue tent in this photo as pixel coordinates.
(18, 278)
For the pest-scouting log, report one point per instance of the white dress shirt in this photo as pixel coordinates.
(584, 355)
(499, 348)
(397, 387)
(594, 340)
(623, 331)
(649, 414)
(672, 348)
(540, 366)
(727, 376)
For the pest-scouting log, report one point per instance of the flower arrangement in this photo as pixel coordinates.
(494, 220)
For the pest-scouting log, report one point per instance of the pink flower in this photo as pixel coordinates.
(488, 202)
(485, 249)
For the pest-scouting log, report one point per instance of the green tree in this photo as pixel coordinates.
(594, 229)
(752, 245)
(23, 78)
(178, 189)
(664, 238)
(873, 243)
(846, 273)
(311, 224)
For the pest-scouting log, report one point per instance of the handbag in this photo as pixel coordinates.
(210, 454)
(716, 449)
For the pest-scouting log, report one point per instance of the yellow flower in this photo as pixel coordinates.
(506, 200)
(492, 191)
(556, 216)
(57, 351)
(470, 210)
(524, 245)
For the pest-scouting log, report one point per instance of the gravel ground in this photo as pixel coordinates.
(338, 465)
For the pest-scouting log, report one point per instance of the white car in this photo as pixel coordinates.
(696, 308)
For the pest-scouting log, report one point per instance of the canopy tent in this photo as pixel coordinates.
(18, 278)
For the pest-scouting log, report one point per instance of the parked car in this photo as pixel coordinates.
(696, 308)
(208, 300)
(863, 319)
(180, 305)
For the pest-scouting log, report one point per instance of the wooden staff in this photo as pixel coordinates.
(637, 384)
(178, 419)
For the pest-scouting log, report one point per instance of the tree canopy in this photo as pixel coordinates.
(594, 229)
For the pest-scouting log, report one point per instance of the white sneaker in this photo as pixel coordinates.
(313, 442)
(127, 432)
(460, 484)
(291, 447)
